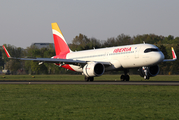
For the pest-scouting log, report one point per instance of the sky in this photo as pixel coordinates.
(23, 22)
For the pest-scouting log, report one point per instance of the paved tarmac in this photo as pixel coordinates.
(175, 83)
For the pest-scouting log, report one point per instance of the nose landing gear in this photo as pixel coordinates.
(146, 76)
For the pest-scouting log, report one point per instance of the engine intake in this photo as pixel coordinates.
(151, 71)
(93, 69)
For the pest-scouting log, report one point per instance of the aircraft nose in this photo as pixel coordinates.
(159, 57)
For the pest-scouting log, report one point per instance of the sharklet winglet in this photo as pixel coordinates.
(7, 53)
(173, 55)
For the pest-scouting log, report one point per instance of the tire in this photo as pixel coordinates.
(123, 77)
(127, 77)
(147, 77)
(86, 79)
(91, 78)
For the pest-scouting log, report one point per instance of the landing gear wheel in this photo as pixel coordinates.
(86, 79)
(125, 77)
(122, 77)
(89, 79)
(146, 77)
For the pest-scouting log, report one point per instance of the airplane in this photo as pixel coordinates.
(95, 62)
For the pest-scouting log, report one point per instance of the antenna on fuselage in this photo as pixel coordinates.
(144, 42)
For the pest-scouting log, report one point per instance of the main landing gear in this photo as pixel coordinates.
(125, 77)
(89, 79)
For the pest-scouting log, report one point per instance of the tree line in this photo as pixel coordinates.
(82, 42)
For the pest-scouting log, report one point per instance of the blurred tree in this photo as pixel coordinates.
(123, 40)
(94, 43)
(120, 40)
(80, 42)
(10, 64)
(169, 39)
(147, 38)
(110, 42)
(175, 41)
(13, 66)
(1, 59)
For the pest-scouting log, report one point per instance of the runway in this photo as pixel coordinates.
(31, 82)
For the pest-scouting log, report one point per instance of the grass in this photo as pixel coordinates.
(81, 77)
(79, 102)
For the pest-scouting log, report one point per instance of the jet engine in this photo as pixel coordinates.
(93, 69)
(148, 72)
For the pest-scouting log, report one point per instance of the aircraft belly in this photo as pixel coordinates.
(131, 63)
(116, 64)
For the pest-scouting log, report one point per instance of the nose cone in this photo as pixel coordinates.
(159, 57)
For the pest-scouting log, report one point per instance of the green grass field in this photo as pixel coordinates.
(81, 102)
(81, 77)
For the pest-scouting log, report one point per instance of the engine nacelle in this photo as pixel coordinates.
(151, 71)
(93, 69)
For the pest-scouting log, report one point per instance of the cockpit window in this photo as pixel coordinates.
(151, 50)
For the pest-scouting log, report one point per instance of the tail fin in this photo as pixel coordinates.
(61, 46)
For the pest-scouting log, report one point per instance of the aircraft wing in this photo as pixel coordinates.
(62, 61)
(54, 60)
(174, 56)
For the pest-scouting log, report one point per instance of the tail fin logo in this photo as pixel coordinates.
(61, 46)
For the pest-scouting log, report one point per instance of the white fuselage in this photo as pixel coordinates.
(129, 56)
